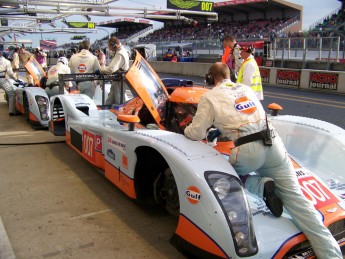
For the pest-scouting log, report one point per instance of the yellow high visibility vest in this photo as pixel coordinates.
(256, 83)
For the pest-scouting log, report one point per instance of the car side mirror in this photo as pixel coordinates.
(274, 108)
(130, 119)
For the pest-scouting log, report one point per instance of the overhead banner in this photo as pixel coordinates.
(321, 80)
(88, 25)
(288, 77)
(190, 5)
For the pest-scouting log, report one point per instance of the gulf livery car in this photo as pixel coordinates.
(137, 146)
(33, 102)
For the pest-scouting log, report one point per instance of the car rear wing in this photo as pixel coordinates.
(77, 78)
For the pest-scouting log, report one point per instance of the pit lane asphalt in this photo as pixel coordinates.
(53, 204)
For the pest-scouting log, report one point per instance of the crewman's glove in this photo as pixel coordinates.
(212, 134)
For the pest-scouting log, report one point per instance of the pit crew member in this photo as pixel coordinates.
(235, 110)
(52, 84)
(24, 57)
(249, 73)
(84, 62)
(6, 72)
(119, 63)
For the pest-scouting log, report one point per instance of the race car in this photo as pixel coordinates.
(33, 101)
(138, 147)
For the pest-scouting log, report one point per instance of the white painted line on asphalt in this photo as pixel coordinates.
(6, 251)
(90, 214)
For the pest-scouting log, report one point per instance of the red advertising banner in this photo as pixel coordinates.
(233, 2)
(321, 80)
(265, 75)
(288, 77)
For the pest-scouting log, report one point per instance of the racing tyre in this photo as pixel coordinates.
(166, 192)
(26, 109)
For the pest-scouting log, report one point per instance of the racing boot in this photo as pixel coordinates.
(273, 202)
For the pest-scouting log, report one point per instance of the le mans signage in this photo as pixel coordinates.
(191, 5)
(88, 25)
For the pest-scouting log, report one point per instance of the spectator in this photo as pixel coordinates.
(234, 60)
(41, 57)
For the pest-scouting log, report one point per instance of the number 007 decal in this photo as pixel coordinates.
(91, 144)
(316, 192)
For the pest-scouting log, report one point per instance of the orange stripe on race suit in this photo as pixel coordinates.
(188, 231)
(122, 181)
(32, 117)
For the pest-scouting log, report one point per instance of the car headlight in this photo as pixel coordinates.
(222, 187)
(231, 197)
(43, 105)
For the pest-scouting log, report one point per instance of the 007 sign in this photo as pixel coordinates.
(316, 192)
(88, 145)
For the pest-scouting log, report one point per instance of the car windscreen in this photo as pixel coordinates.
(154, 88)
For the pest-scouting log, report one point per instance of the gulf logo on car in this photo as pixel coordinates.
(82, 68)
(193, 195)
(245, 105)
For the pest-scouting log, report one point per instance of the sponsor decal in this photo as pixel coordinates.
(314, 190)
(98, 146)
(322, 80)
(334, 184)
(261, 208)
(116, 143)
(111, 154)
(88, 145)
(53, 71)
(82, 68)
(308, 253)
(245, 105)
(193, 195)
(125, 161)
(332, 210)
(288, 77)
(265, 75)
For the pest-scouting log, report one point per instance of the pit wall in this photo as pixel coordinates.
(317, 80)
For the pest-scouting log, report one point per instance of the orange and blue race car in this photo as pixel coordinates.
(138, 147)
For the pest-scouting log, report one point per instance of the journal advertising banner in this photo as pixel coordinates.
(289, 77)
(321, 80)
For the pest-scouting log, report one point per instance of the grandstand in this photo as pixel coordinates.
(246, 19)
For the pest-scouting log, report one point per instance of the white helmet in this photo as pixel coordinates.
(63, 60)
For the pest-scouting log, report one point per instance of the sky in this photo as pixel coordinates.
(313, 10)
